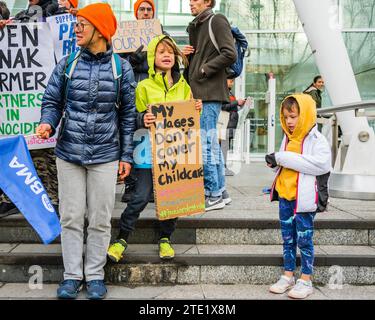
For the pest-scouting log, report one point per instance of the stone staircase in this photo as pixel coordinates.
(238, 245)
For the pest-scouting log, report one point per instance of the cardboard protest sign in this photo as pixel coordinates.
(26, 63)
(64, 38)
(131, 35)
(177, 160)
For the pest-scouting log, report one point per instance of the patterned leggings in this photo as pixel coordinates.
(296, 230)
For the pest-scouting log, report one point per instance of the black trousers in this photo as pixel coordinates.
(131, 180)
(139, 201)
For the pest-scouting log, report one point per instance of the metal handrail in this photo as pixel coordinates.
(347, 107)
(332, 111)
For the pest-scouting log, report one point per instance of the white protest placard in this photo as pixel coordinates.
(130, 35)
(64, 38)
(222, 124)
(26, 63)
(244, 111)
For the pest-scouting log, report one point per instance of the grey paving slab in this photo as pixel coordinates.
(138, 293)
(248, 292)
(335, 215)
(154, 249)
(188, 275)
(37, 248)
(133, 248)
(257, 275)
(192, 250)
(341, 237)
(372, 237)
(183, 292)
(353, 205)
(365, 215)
(240, 214)
(238, 236)
(347, 292)
(204, 249)
(186, 292)
(348, 250)
(48, 291)
(7, 247)
(23, 291)
(245, 249)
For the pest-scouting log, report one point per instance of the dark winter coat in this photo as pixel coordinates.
(212, 84)
(93, 129)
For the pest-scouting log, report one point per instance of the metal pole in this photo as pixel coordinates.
(331, 57)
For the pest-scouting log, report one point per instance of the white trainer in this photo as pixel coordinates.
(301, 290)
(283, 285)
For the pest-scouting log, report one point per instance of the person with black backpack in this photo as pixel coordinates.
(92, 92)
(208, 80)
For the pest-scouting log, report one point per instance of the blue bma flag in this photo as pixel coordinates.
(20, 182)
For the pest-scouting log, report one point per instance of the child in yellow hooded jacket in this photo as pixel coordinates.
(164, 84)
(304, 155)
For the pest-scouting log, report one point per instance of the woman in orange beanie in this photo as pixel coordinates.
(96, 106)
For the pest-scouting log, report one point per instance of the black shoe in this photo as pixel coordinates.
(6, 209)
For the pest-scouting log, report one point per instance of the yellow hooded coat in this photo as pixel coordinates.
(286, 183)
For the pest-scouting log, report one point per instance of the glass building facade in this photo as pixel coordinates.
(277, 43)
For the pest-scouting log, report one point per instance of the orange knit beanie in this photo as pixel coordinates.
(102, 17)
(74, 3)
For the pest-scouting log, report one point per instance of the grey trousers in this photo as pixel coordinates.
(86, 189)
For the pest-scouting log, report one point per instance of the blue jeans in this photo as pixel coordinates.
(213, 160)
(296, 230)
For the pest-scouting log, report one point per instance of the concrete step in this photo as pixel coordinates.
(23, 291)
(195, 264)
(221, 227)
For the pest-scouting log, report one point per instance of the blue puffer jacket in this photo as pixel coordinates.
(93, 130)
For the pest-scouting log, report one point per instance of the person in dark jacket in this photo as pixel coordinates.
(94, 143)
(37, 10)
(315, 91)
(208, 81)
(232, 107)
(67, 6)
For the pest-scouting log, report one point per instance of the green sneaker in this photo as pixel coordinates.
(116, 250)
(165, 249)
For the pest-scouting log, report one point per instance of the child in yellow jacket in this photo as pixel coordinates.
(165, 84)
